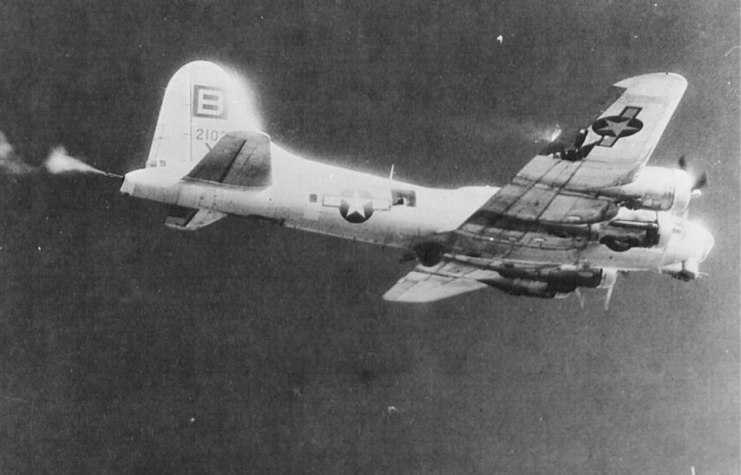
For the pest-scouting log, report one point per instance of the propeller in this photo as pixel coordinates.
(700, 181)
(683, 162)
(609, 280)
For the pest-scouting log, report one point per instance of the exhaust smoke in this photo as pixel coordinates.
(57, 163)
(60, 162)
(10, 163)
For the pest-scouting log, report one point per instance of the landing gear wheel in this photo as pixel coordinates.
(429, 253)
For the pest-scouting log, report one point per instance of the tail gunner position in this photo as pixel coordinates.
(573, 217)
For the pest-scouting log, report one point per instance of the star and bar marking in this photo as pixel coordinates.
(356, 208)
(615, 127)
(356, 205)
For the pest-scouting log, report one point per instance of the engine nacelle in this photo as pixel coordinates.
(657, 189)
(629, 229)
(523, 287)
(545, 283)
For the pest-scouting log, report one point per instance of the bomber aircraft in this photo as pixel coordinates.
(578, 213)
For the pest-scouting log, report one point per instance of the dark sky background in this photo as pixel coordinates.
(244, 348)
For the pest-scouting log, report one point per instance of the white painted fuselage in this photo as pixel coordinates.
(326, 199)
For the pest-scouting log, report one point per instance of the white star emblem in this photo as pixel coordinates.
(618, 127)
(356, 204)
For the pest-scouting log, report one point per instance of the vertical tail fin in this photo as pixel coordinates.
(202, 103)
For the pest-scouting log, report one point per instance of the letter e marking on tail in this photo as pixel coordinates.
(208, 102)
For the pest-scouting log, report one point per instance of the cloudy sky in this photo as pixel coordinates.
(244, 348)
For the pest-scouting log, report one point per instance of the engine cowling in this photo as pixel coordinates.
(523, 287)
(629, 229)
(657, 189)
(545, 283)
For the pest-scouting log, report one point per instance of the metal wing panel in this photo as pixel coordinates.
(532, 203)
(647, 105)
(572, 208)
(627, 133)
(429, 284)
(621, 139)
(516, 205)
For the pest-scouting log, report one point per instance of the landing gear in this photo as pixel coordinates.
(429, 253)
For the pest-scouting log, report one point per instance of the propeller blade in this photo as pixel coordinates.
(609, 281)
(683, 162)
(581, 298)
(701, 181)
(608, 297)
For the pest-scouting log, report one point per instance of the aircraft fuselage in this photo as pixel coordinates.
(326, 199)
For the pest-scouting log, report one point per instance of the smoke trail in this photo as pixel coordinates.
(10, 162)
(59, 162)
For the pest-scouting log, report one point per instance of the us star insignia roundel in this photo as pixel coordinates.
(615, 127)
(356, 206)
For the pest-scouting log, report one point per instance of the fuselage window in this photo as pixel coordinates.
(403, 198)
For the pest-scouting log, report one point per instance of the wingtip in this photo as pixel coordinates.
(665, 83)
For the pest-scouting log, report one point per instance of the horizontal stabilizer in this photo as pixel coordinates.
(239, 159)
(190, 219)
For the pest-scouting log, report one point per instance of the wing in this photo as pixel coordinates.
(455, 276)
(619, 142)
(542, 218)
(429, 284)
(559, 191)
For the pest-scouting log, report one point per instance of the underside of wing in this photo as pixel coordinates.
(429, 284)
(458, 275)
